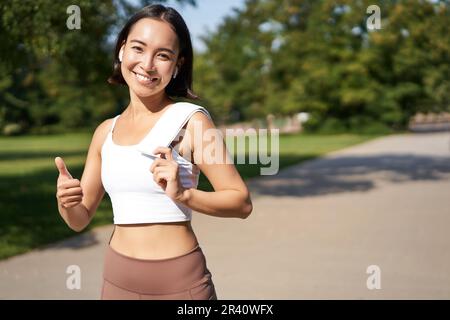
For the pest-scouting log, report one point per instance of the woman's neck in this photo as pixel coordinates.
(148, 106)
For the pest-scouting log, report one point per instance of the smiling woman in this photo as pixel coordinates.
(152, 45)
(146, 59)
(153, 252)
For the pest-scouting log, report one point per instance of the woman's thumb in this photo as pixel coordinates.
(61, 166)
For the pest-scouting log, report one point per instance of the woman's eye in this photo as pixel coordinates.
(164, 56)
(137, 48)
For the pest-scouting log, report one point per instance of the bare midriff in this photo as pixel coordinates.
(154, 240)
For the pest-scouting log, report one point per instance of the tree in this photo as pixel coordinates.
(53, 78)
(289, 56)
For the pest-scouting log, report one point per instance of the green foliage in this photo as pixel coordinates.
(284, 57)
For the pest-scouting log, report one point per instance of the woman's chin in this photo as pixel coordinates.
(145, 92)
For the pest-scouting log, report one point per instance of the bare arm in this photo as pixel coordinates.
(230, 198)
(78, 214)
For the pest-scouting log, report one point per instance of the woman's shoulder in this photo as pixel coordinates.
(101, 132)
(191, 105)
(199, 115)
(104, 127)
(204, 113)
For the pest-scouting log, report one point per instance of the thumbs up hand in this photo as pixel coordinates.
(68, 190)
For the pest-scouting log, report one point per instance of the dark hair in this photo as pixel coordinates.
(181, 86)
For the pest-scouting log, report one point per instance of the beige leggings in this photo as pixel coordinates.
(184, 277)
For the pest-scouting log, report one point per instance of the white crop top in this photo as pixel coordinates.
(126, 176)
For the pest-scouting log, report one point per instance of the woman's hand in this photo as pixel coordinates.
(68, 189)
(165, 173)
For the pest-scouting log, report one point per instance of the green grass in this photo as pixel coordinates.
(28, 209)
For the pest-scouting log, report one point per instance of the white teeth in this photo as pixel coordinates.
(141, 77)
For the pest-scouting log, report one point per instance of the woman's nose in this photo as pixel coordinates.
(148, 63)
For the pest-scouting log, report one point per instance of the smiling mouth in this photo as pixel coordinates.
(145, 79)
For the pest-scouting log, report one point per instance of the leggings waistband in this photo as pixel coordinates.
(197, 247)
(156, 276)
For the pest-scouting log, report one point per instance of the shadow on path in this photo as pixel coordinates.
(350, 173)
(79, 241)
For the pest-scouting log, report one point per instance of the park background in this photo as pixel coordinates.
(264, 59)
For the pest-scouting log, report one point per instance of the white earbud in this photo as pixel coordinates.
(176, 72)
(120, 55)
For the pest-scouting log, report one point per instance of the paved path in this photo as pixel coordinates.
(315, 229)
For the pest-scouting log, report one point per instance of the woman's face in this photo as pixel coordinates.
(149, 56)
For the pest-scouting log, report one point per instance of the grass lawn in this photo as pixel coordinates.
(28, 209)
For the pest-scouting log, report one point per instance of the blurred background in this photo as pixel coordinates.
(312, 69)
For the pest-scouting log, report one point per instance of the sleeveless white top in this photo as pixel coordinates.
(126, 176)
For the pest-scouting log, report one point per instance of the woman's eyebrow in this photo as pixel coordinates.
(144, 44)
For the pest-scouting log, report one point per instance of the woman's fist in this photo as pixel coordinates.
(68, 190)
(165, 173)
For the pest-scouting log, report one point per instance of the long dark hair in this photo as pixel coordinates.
(181, 86)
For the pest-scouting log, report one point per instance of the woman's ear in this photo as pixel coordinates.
(121, 54)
